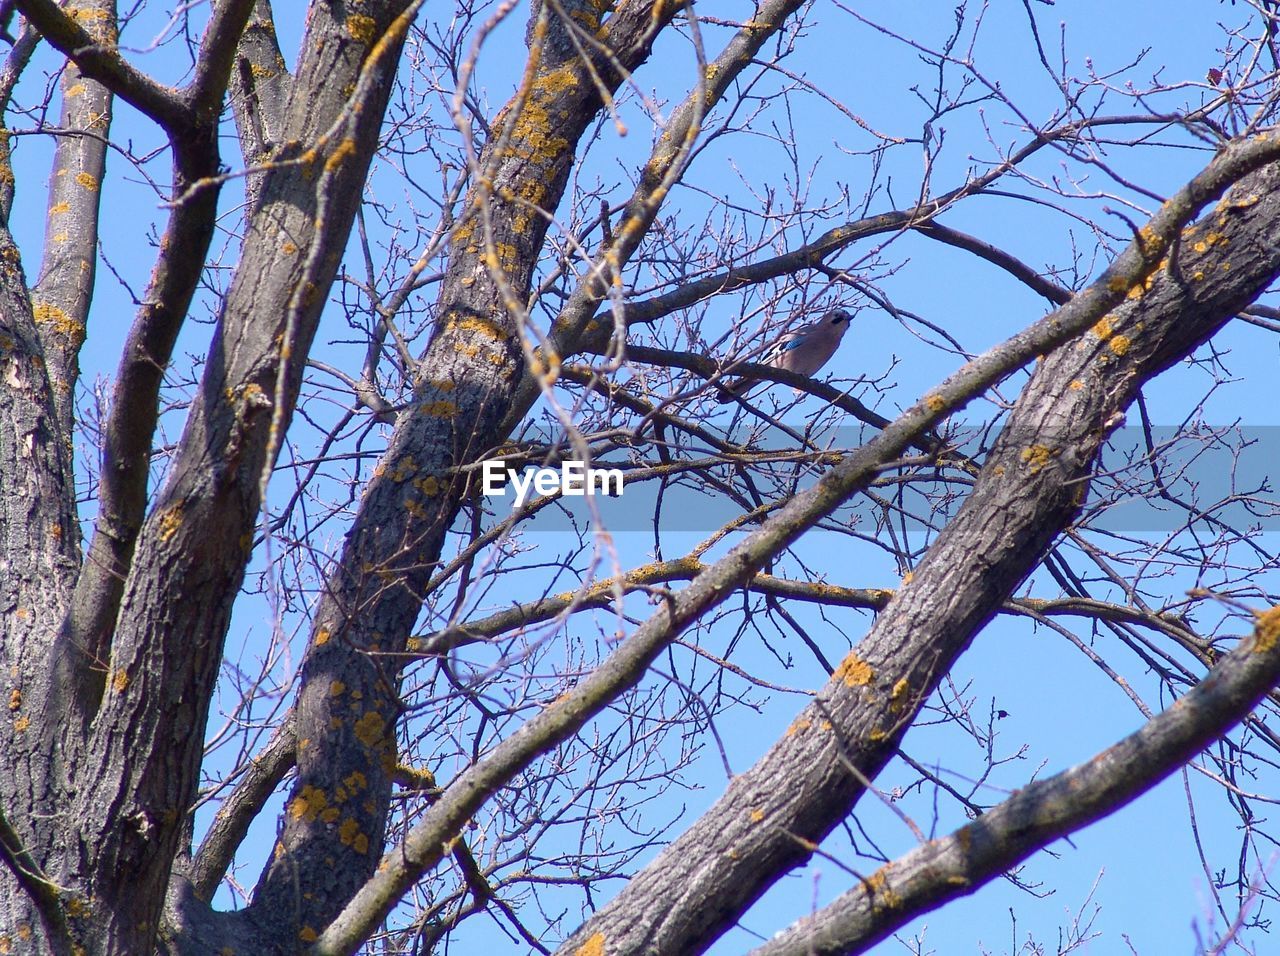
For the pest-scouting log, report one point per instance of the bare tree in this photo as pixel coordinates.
(305, 686)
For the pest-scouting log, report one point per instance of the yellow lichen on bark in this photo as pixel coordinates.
(46, 313)
(1151, 242)
(799, 725)
(348, 831)
(355, 780)
(1209, 241)
(308, 804)
(346, 149)
(169, 523)
(507, 254)
(530, 138)
(898, 696)
(1037, 456)
(368, 729)
(361, 28)
(439, 409)
(480, 326)
(854, 671)
(877, 885)
(1267, 630)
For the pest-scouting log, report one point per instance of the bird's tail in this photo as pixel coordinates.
(731, 391)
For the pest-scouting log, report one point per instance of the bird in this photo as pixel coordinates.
(803, 350)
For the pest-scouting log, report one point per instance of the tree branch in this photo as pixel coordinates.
(100, 59)
(191, 553)
(1055, 293)
(814, 253)
(713, 371)
(260, 86)
(64, 290)
(603, 593)
(1032, 484)
(218, 49)
(44, 893)
(130, 427)
(1043, 811)
(230, 824)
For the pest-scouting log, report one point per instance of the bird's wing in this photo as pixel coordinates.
(793, 339)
